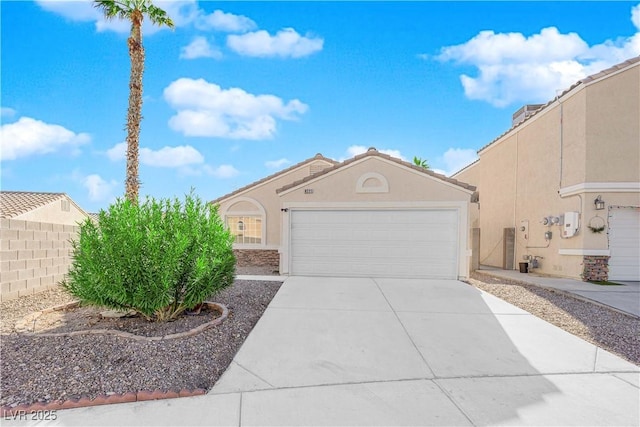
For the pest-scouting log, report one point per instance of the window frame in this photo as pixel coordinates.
(250, 223)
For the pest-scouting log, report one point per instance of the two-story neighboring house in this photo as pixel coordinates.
(561, 188)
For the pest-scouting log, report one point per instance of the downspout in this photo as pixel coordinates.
(515, 199)
(561, 142)
(562, 160)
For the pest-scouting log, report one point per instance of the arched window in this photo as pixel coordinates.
(245, 218)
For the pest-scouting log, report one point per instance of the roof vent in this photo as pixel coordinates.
(524, 113)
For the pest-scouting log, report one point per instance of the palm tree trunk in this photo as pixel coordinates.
(134, 112)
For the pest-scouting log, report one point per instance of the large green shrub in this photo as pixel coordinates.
(158, 258)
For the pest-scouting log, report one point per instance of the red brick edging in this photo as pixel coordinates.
(102, 399)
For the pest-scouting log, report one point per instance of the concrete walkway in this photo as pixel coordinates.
(332, 351)
(624, 298)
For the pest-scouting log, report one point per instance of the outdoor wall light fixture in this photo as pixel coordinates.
(599, 203)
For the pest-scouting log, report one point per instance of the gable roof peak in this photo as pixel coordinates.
(305, 162)
(373, 152)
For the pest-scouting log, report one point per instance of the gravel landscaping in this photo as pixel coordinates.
(44, 369)
(604, 327)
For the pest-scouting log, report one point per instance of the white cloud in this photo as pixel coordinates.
(182, 12)
(635, 16)
(512, 67)
(277, 164)
(171, 157)
(78, 10)
(455, 159)
(354, 150)
(7, 112)
(29, 136)
(227, 22)
(286, 43)
(166, 157)
(117, 152)
(222, 171)
(205, 109)
(199, 48)
(99, 189)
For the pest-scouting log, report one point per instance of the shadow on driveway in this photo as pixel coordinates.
(421, 352)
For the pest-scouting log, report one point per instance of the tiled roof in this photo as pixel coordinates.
(372, 152)
(588, 79)
(14, 203)
(275, 175)
(94, 215)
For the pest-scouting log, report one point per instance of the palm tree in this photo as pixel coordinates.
(134, 11)
(423, 163)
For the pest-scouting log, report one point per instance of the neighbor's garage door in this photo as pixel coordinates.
(375, 243)
(624, 244)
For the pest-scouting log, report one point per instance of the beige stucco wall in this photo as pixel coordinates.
(54, 214)
(471, 175)
(498, 185)
(520, 178)
(571, 119)
(613, 128)
(263, 197)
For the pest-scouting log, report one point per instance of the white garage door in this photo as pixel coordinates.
(624, 244)
(375, 243)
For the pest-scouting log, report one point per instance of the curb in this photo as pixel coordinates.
(102, 399)
(561, 292)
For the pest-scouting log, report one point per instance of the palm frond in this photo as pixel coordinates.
(113, 9)
(159, 16)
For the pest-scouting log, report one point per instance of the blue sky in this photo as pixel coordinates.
(240, 90)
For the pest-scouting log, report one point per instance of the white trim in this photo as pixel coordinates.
(597, 187)
(374, 205)
(460, 206)
(592, 252)
(382, 159)
(382, 188)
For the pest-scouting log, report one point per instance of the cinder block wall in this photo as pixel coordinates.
(34, 256)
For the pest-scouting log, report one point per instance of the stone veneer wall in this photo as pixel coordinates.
(257, 258)
(596, 268)
(34, 256)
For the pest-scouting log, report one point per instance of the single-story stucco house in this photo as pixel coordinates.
(35, 233)
(560, 190)
(371, 215)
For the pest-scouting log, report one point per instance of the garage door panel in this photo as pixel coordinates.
(382, 243)
(624, 244)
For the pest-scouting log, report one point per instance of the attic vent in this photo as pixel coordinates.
(524, 113)
(65, 205)
(314, 169)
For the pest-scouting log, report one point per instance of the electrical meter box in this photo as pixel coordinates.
(571, 224)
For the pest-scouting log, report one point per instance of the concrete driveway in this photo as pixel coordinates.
(336, 351)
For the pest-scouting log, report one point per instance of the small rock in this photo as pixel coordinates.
(115, 314)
